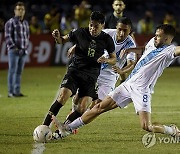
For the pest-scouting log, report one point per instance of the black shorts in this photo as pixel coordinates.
(76, 80)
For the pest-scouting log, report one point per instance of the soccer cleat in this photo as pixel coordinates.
(175, 130)
(56, 135)
(61, 127)
(75, 131)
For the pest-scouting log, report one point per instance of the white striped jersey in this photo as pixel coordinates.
(150, 66)
(107, 75)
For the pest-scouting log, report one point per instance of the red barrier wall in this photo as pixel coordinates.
(40, 51)
(44, 52)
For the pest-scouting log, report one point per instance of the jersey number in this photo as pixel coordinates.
(91, 52)
(145, 98)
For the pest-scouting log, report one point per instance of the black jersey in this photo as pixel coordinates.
(111, 21)
(89, 49)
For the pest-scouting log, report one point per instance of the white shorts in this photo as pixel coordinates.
(125, 94)
(103, 91)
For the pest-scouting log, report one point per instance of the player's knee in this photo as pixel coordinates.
(62, 99)
(93, 103)
(81, 109)
(97, 109)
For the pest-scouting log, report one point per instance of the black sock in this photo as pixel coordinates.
(55, 107)
(73, 116)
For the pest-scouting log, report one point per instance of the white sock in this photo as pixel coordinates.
(76, 124)
(168, 130)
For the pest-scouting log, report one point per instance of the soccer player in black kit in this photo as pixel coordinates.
(85, 67)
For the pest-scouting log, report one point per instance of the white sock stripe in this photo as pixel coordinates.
(80, 120)
(76, 124)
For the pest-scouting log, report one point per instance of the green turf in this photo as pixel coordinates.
(117, 131)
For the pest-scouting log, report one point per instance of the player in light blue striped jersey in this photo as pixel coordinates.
(108, 74)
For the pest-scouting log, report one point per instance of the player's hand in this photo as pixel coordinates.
(56, 34)
(102, 59)
(123, 52)
(71, 51)
(117, 70)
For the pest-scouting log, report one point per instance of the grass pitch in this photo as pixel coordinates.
(117, 131)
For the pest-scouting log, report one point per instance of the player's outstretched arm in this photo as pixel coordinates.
(111, 60)
(58, 38)
(137, 50)
(177, 51)
(126, 69)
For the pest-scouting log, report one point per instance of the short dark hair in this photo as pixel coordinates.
(125, 20)
(118, 0)
(19, 4)
(168, 29)
(97, 16)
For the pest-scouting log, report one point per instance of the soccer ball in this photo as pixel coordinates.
(42, 134)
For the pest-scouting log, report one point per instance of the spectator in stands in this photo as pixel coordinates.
(112, 18)
(169, 18)
(35, 27)
(68, 23)
(146, 25)
(82, 13)
(52, 20)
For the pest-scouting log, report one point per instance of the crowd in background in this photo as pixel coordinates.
(44, 15)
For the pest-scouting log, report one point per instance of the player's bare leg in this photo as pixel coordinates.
(75, 102)
(93, 103)
(83, 104)
(106, 105)
(146, 124)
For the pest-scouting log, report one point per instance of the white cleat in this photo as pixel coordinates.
(176, 130)
(61, 127)
(56, 135)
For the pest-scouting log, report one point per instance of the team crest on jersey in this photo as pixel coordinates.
(92, 44)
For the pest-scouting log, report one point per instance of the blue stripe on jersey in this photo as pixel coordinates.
(104, 65)
(126, 44)
(145, 60)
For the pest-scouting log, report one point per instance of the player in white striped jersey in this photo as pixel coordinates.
(108, 77)
(137, 87)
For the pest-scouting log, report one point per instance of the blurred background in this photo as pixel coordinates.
(46, 15)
